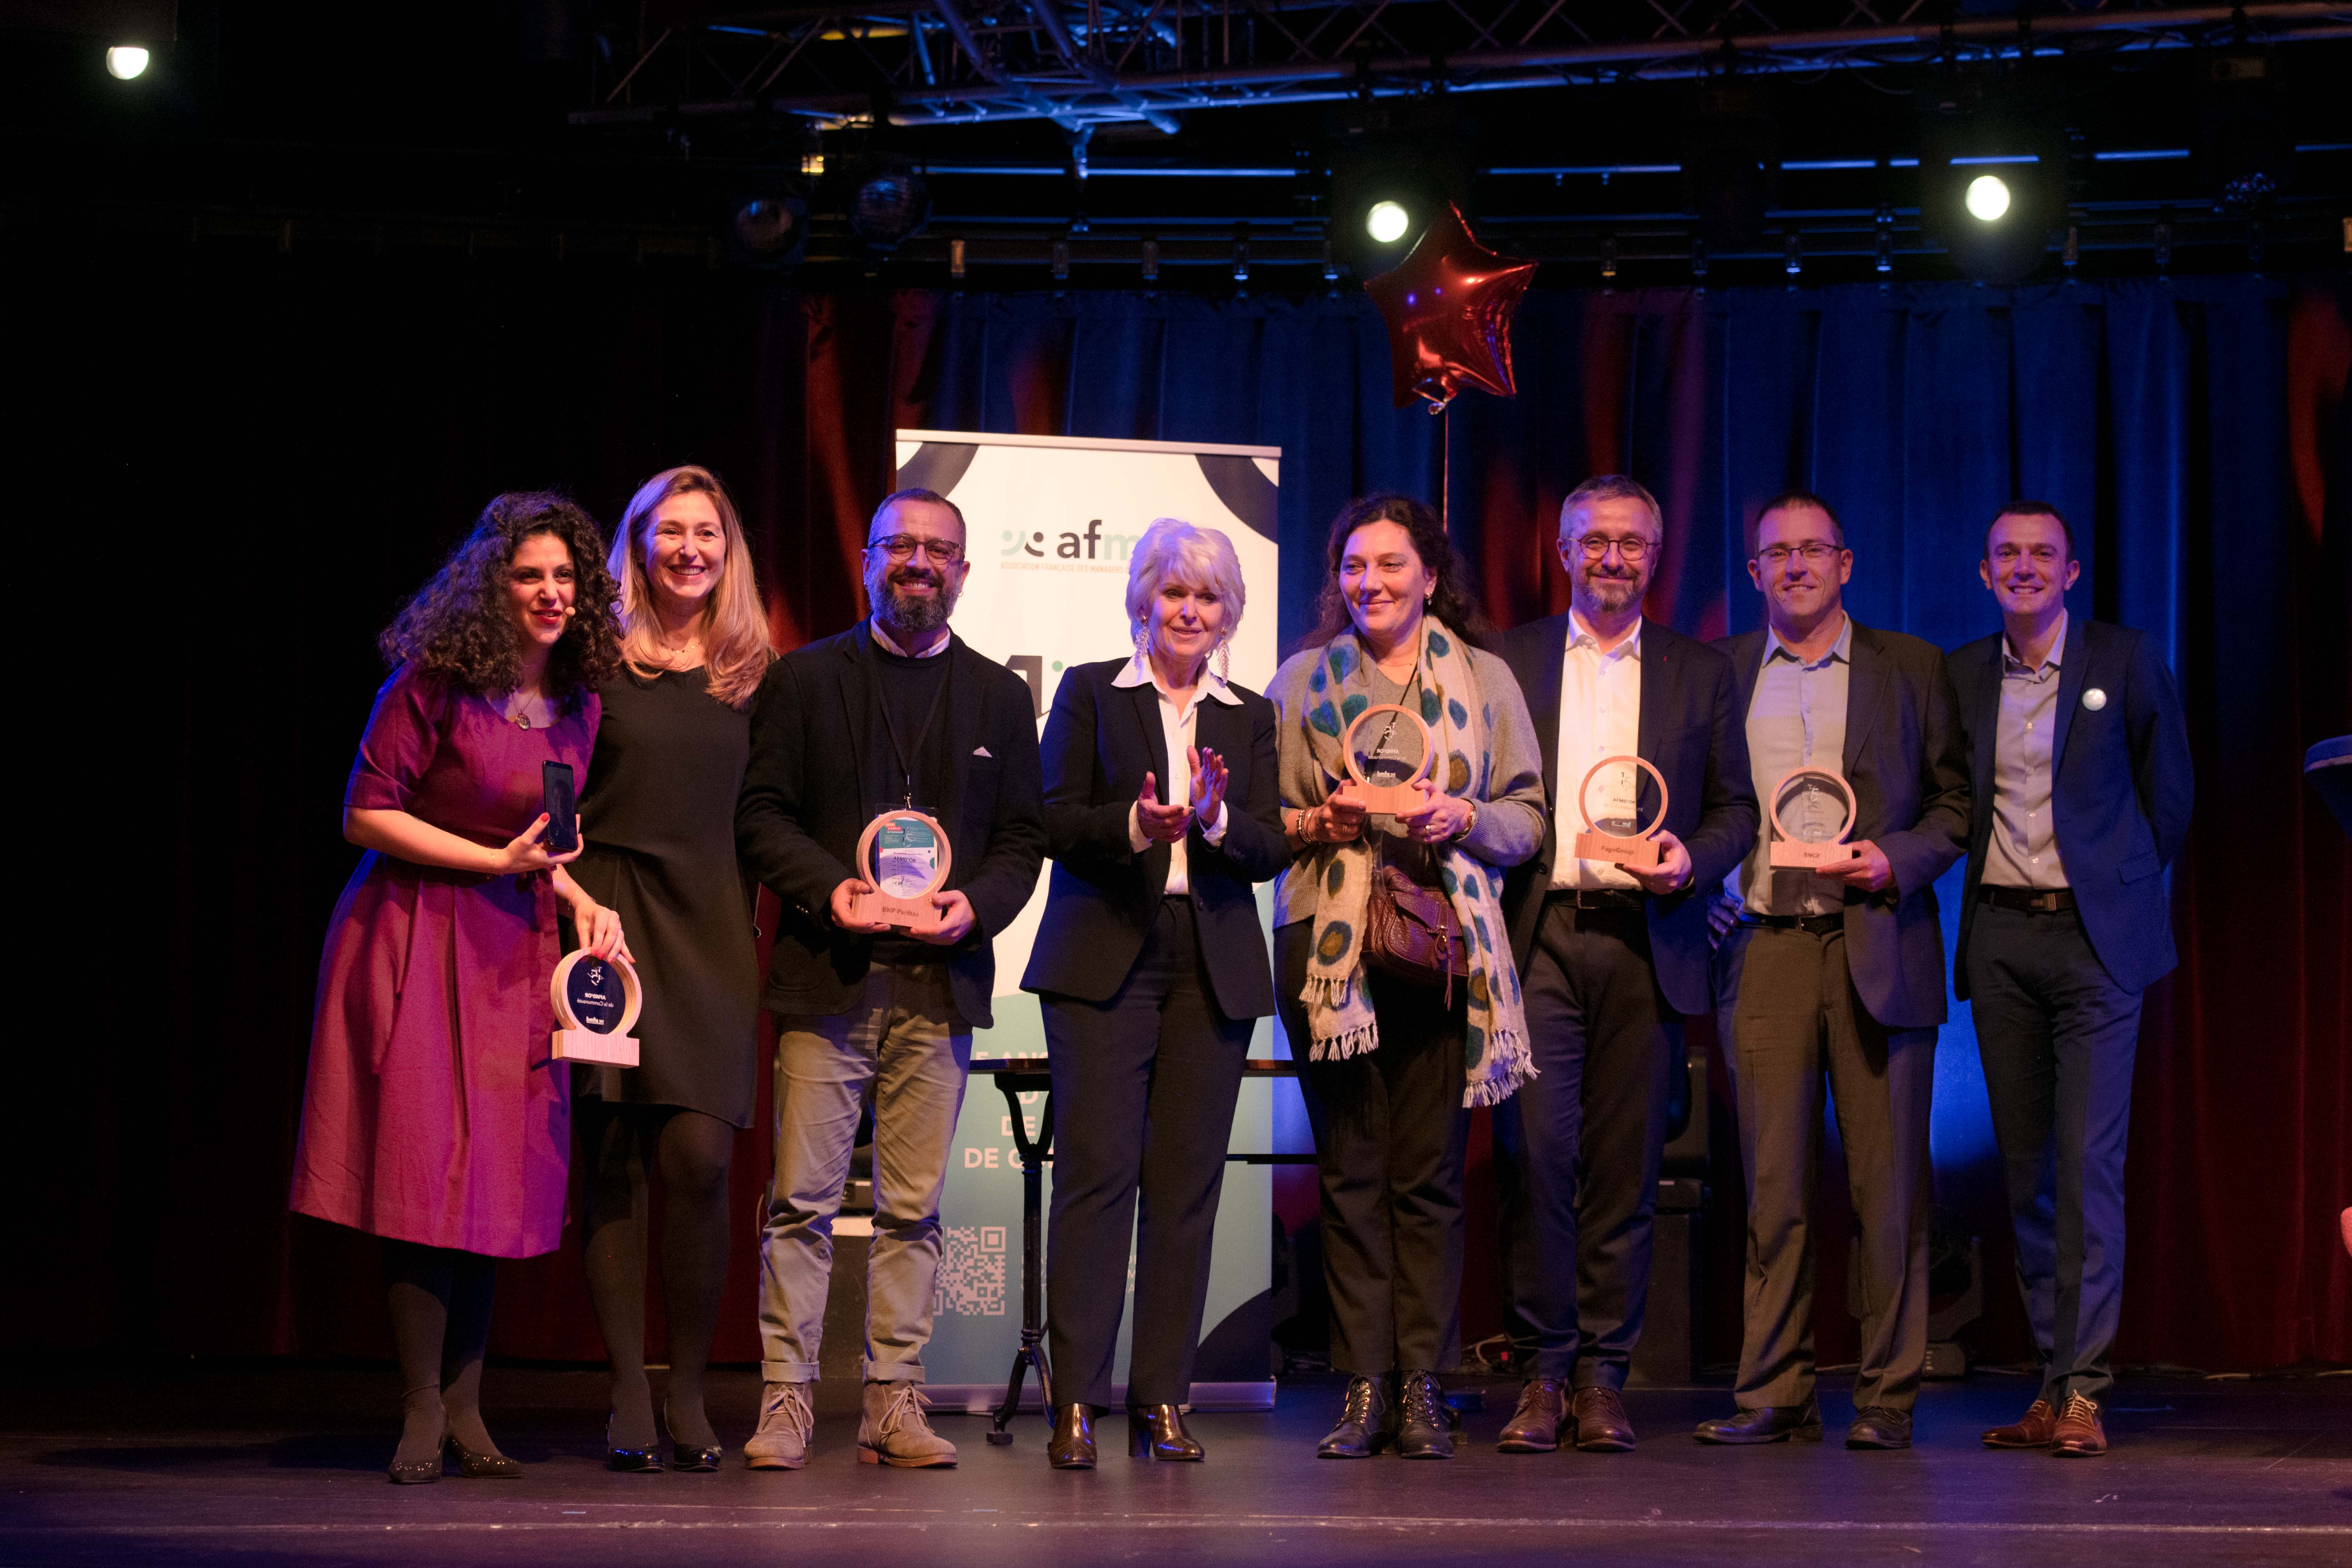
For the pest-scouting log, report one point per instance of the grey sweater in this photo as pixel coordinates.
(1511, 816)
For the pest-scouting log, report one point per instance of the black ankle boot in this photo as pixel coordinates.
(1363, 1423)
(1425, 1422)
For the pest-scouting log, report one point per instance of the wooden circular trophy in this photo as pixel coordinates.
(904, 856)
(1393, 797)
(597, 1001)
(1820, 812)
(1617, 834)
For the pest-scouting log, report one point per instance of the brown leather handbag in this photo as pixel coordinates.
(1410, 931)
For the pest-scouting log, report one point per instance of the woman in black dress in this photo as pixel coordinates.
(658, 814)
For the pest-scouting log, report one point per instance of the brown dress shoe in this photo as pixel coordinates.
(1534, 1426)
(1602, 1425)
(2033, 1430)
(2079, 1435)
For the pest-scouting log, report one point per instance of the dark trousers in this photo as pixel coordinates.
(2057, 1037)
(1577, 1149)
(1144, 1086)
(1789, 1019)
(1390, 1135)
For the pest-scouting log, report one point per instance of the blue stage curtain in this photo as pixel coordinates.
(2193, 431)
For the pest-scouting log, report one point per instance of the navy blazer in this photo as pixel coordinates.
(2119, 796)
(1100, 741)
(1908, 769)
(804, 807)
(1689, 732)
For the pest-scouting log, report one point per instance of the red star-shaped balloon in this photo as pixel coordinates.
(1449, 307)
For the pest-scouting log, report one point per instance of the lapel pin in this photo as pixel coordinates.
(2095, 698)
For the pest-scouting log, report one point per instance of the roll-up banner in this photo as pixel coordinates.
(1051, 522)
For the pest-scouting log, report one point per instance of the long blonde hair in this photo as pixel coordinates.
(735, 646)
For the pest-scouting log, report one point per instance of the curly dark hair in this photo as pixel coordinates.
(1451, 602)
(460, 629)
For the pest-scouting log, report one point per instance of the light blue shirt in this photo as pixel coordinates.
(1796, 718)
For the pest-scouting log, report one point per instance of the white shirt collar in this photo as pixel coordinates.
(2053, 657)
(1577, 632)
(1139, 672)
(1841, 650)
(882, 640)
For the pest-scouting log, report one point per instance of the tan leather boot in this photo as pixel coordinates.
(781, 1443)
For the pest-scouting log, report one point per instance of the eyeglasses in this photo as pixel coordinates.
(1595, 546)
(902, 547)
(1816, 554)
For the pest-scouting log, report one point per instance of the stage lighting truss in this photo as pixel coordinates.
(936, 62)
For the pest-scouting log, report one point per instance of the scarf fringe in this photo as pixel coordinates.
(1360, 1041)
(1502, 1073)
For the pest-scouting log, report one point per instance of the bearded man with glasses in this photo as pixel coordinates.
(1835, 972)
(895, 713)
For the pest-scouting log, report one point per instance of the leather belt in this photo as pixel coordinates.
(1597, 897)
(2031, 901)
(1812, 925)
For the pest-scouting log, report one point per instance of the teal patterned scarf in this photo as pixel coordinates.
(1340, 1021)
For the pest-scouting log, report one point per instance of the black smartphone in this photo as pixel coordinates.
(563, 835)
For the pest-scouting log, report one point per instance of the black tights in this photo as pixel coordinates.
(440, 1303)
(625, 1144)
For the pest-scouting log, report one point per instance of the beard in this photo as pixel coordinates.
(1610, 592)
(909, 614)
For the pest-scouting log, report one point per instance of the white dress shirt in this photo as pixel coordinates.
(1600, 716)
(1178, 723)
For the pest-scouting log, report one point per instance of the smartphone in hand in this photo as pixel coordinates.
(561, 805)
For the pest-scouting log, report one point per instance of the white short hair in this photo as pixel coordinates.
(1199, 557)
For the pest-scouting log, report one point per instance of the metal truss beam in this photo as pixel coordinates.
(1149, 59)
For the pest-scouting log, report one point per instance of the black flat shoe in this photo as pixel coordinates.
(691, 1456)
(1072, 1446)
(629, 1461)
(1157, 1432)
(1362, 1425)
(492, 1467)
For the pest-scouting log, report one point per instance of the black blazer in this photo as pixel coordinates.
(1689, 733)
(1099, 742)
(802, 808)
(1905, 761)
(2119, 797)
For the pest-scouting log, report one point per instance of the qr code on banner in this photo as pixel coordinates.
(972, 1270)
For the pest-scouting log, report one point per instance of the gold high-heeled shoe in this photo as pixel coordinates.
(1157, 1432)
(1072, 1446)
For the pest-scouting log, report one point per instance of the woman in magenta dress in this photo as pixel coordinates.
(435, 1115)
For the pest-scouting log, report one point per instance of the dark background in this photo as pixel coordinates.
(245, 442)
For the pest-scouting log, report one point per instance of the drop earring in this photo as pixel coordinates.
(1224, 662)
(1142, 646)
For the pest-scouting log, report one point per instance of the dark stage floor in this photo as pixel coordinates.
(285, 1466)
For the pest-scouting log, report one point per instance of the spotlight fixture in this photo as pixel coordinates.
(2246, 142)
(1393, 163)
(1731, 164)
(1988, 198)
(1991, 178)
(125, 61)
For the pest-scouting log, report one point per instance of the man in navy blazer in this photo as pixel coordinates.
(1610, 957)
(2083, 788)
(1835, 973)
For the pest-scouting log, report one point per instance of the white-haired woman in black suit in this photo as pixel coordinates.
(1161, 809)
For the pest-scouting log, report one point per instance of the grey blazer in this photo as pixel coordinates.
(1906, 759)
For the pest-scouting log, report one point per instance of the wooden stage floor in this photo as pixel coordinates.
(268, 1464)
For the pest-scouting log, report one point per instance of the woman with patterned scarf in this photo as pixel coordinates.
(1390, 1066)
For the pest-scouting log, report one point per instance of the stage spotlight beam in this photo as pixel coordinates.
(1988, 198)
(125, 61)
(1387, 222)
